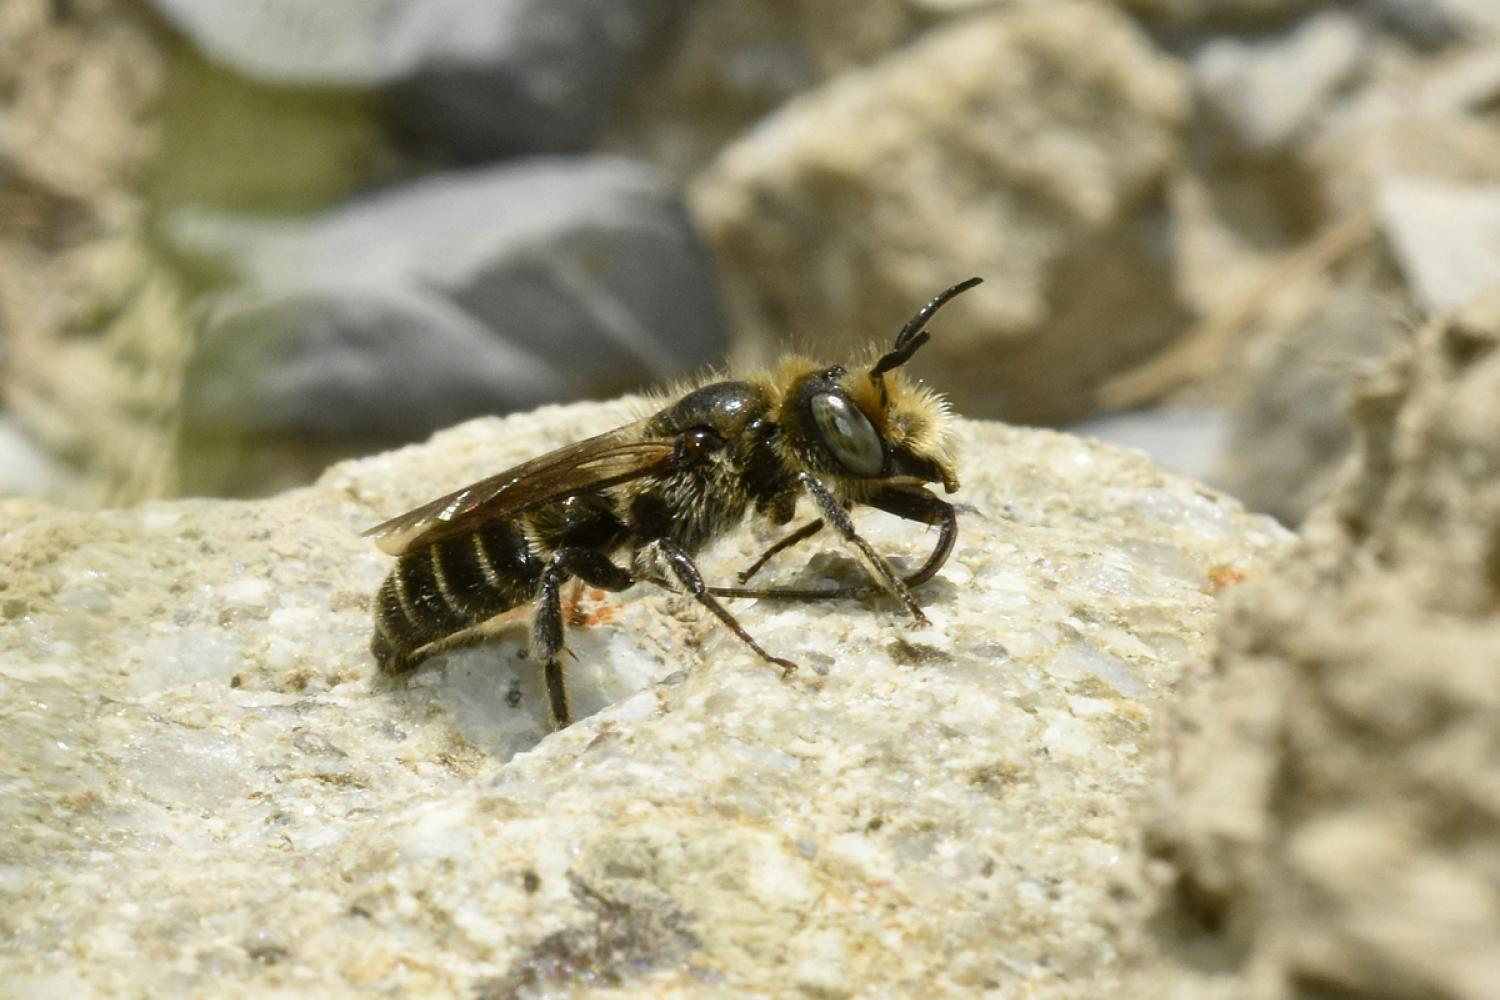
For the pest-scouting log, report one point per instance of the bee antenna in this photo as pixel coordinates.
(912, 336)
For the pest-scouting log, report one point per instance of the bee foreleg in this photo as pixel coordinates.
(835, 514)
(801, 534)
(663, 552)
(916, 504)
(592, 567)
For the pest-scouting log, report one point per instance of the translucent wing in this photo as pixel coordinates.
(608, 459)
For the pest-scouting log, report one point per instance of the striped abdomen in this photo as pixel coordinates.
(453, 584)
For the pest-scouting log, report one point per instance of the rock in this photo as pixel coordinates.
(1331, 824)
(1186, 440)
(1027, 146)
(26, 470)
(1206, 14)
(458, 295)
(730, 63)
(1269, 94)
(1290, 432)
(201, 770)
(479, 80)
(88, 324)
(1408, 163)
(1314, 261)
(1416, 119)
(1439, 22)
(1446, 237)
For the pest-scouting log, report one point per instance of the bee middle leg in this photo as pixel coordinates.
(802, 534)
(592, 567)
(681, 565)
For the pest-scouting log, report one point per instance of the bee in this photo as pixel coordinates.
(657, 490)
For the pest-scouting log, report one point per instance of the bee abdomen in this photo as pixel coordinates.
(448, 586)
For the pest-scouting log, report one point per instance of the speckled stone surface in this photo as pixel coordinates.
(204, 790)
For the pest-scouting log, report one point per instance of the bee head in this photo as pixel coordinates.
(876, 425)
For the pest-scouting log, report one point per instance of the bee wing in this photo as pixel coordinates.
(608, 459)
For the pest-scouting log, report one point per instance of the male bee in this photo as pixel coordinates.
(661, 488)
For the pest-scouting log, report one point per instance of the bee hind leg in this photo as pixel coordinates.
(681, 565)
(592, 567)
(800, 535)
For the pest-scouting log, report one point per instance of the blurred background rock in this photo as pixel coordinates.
(242, 238)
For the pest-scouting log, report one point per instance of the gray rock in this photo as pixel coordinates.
(1027, 145)
(1270, 93)
(200, 769)
(457, 295)
(1439, 22)
(480, 78)
(1238, 14)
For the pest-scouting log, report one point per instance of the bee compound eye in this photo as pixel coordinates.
(848, 434)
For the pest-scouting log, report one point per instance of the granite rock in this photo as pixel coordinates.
(446, 298)
(1027, 145)
(205, 790)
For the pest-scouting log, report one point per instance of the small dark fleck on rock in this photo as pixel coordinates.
(235, 681)
(348, 600)
(819, 662)
(530, 881)
(311, 743)
(390, 730)
(995, 779)
(916, 654)
(264, 952)
(513, 694)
